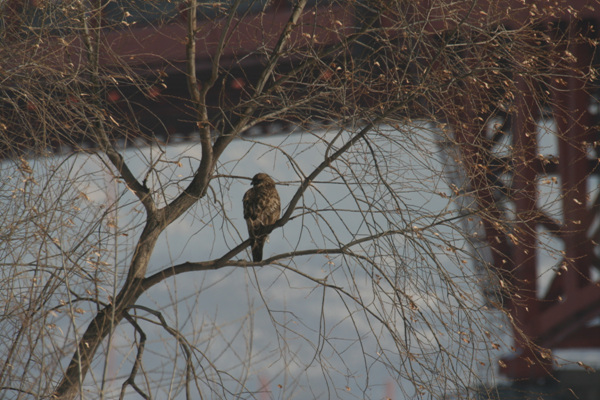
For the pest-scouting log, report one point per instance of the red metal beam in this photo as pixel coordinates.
(573, 122)
(164, 46)
(525, 363)
(565, 318)
(584, 338)
(559, 319)
(525, 200)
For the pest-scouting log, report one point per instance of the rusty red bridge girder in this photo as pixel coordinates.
(562, 314)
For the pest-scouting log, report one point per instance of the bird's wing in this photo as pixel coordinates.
(249, 205)
(274, 209)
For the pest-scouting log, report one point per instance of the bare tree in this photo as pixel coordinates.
(366, 281)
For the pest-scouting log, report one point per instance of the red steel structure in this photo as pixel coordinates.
(561, 316)
(564, 314)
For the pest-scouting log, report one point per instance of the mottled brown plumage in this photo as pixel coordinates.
(261, 208)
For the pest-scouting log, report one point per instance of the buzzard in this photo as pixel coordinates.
(261, 208)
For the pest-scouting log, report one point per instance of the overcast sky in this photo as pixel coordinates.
(236, 315)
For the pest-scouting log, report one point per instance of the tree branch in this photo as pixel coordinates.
(93, 52)
(199, 183)
(138, 360)
(225, 261)
(223, 141)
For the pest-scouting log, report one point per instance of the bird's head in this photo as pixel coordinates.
(262, 179)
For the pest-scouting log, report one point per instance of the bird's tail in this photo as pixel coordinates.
(257, 249)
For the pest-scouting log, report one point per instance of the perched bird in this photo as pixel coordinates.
(261, 208)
